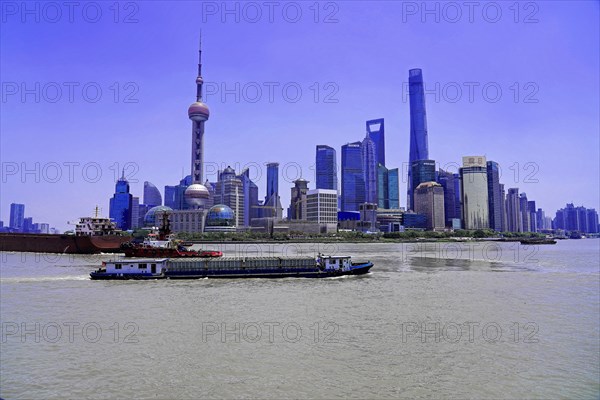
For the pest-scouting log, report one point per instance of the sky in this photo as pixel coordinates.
(91, 89)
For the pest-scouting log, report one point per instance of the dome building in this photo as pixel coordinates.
(150, 219)
(220, 218)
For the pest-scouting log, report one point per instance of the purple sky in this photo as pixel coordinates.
(543, 129)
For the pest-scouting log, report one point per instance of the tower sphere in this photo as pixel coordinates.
(198, 111)
(196, 195)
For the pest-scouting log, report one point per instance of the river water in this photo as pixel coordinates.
(435, 320)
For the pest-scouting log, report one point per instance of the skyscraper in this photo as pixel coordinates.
(272, 200)
(495, 200)
(446, 179)
(369, 166)
(17, 216)
(297, 208)
(135, 212)
(229, 192)
(421, 171)
(121, 204)
(376, 131)
(524, 207)
(474, 188)
(429, 201)
(419, 149)
(513, 211)
(383, 187)
(353, 181)
(152, 195)
(503, 200)
(196, 195)
(250, 191)
(326, 168)
(532, 216)
(394, 188)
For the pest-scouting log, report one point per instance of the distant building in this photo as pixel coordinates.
(504, 215)
(412, 220)
(28, 225)
(121, 204)
(474, 189)
(495, 199)
(297, 209)
(170, 196)
(429, 201)
(175, 195)
(383, 200)
(419, 149)
(17, 216)
(394, 188)
(321, 207)
(44, 228)
(353, 181)
(451, 209)
(135, 212)
(525, 218)
(250, 191)
(369, 167)
(376, 132)
(368, 217)
(592, 221)
(576, 219)
(187, 221)
(421, 171)
(229, 192)
(513, 211)
(531, 209)
(152, 195)
(326, 168)
(220, 218)
(272, 205)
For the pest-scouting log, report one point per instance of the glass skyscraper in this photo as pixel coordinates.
(152, 195)
(121, 205)
(272, 199)
(17, 216)
(394, 188)
(326, 168)
(420, 171)
(495, 199)
(419, 149)
(451, 211)
(353, 181)
(369, 165)
(474, 187)
(383, 200)
(376, 131)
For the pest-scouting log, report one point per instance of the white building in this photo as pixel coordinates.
(322, 208)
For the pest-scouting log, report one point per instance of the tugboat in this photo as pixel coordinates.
(232, 267)
(164, 245)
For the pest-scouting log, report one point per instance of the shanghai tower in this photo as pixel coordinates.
(418, 127)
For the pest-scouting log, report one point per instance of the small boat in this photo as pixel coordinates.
(231, 267)
(533, 241)
(164, 245)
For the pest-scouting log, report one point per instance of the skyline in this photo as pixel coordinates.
(136, 133)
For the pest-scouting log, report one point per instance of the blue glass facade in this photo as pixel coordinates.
(446, 179)
(421, 171)
(419, 149)
(17, 216)
(495, 198)
(326, 168)
(383, 200)
(394, 188)
(121, 204)
(353, 182)
(152, 195)
(376, 131)
(369, 164)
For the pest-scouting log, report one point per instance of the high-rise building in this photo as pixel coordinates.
(250, 191)
(28, 225)
(394, 188)
(524, 206)
(229, 192)
(321, 207)
(135, 212)
(353, 181)
(17, 215)
(503, 201)
(451, 210)
(421, 171)
(196, 194)
(170, 196)
(474, 188)
(383, 188)
(376, 131)
(592, 221)
(326, 168)
(297, 210)
(576, 219)
(513, 211)
(419, 149)
(272, 206)
(152, 195)
(495, 199)
(429, 201)
(369, 166)
(121, 204)
(531, 209)
(44, 228)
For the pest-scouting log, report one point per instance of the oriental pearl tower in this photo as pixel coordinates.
(196, 195)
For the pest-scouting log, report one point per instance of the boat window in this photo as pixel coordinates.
(142, 266)
(117, 266)
(152, 265)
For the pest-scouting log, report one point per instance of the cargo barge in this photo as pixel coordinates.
(231, 267)
(93, 235)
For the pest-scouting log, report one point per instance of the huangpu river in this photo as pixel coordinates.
(432, 320)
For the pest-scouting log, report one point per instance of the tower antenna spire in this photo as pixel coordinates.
(199, 79)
